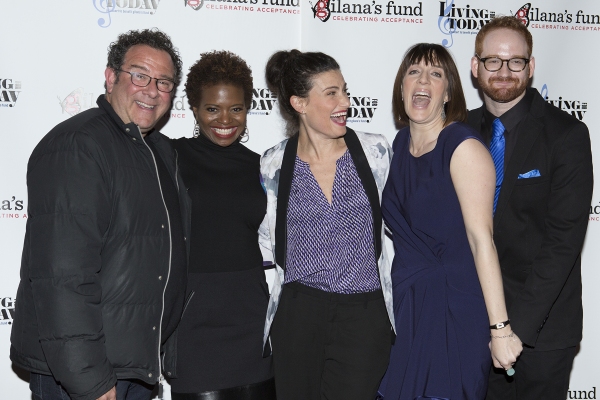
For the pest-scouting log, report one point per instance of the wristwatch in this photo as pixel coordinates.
(500, 325)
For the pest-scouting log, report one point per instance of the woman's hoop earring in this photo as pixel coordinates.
(196, 130)
(245, 136)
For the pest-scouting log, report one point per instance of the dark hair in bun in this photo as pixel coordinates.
(291, 73)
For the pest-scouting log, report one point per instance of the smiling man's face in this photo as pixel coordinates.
(143, 106)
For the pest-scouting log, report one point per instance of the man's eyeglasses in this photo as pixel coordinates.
(494, 64)
(143, 80)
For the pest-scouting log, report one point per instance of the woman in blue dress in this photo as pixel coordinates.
(447, 286)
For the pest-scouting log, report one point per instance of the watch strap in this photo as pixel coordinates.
(500, 325)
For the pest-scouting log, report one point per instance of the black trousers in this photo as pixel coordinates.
(329, 346)
(44, 387)
(538, 375)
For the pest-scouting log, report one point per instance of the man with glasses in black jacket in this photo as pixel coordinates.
(104, 261)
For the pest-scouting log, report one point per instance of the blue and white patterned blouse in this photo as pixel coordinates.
(330, 246)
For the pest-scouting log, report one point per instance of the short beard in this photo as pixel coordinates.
(504, 95)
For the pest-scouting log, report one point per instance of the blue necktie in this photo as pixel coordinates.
(497, 146)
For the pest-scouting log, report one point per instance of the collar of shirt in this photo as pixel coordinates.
(512, 117)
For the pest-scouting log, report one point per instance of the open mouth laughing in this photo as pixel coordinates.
(339, 117)
(421, 99)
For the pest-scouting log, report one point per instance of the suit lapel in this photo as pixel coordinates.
(529, 131)
(368, 181)
(476, 121)
(283, 197)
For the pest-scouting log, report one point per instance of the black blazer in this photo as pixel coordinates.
(540, 225)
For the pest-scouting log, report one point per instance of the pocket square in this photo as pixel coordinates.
(531, 174)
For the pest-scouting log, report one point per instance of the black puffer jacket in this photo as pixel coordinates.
(96, 258)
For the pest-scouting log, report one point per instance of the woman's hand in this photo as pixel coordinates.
(505, 348)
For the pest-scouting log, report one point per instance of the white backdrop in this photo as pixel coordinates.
(53, 55)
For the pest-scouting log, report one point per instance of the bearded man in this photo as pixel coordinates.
(544, 182)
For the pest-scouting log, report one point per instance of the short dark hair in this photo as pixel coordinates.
(506, 22)
(218, 67)
(290, 73)
(432, 54)
(149, 37)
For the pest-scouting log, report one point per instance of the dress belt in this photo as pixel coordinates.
(256, 391)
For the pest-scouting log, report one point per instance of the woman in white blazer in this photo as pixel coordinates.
(330, 316)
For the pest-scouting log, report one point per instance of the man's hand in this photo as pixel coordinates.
(110, 395)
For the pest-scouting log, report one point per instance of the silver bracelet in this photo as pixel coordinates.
(512, 335)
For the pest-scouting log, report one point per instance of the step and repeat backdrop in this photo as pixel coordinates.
(53, 56)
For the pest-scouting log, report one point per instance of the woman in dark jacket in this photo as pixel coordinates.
(219, 343)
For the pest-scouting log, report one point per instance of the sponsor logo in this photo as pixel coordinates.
(107, 7)
(179, 107)
(278, 6)
(523, 14)
(12, 204)
(538, 18)
(261, 6)
(461, 19)
(583, 18)
(194, 4)
(12, 208)
(321, 10)
(368, 11)
(582, 394)
(9, 92)
(76, 102)
(7, 310)
(537, 15)
(362, 109)
(576, 108)
(102, 7)
(263, 101)
(595, 214)
(547, 20)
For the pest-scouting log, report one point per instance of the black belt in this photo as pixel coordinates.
(256, 391)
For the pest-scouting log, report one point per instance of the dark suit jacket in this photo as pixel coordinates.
(540, 225)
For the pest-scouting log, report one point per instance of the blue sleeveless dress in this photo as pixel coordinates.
(441, 349)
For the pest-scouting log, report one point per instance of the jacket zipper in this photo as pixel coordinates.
(162, 311)
(187, 302)
(177, 170)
